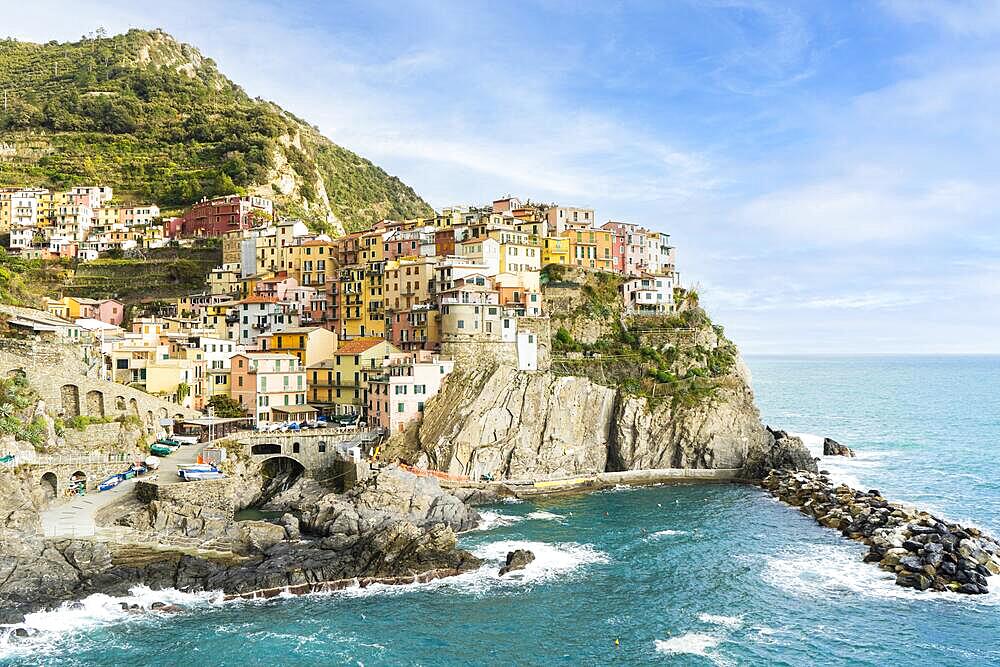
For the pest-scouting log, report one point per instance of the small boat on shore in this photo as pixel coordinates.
(201, 476)
(110, 482)
(159, 449)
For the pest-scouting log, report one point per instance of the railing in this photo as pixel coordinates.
(34, 459)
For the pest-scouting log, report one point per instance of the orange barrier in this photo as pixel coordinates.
(423, 472)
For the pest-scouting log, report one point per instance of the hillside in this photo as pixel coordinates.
(156, 120)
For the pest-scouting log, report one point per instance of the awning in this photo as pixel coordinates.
(293, 409)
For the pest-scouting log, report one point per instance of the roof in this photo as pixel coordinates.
(293, 409)
(316, 243)
(257, 299)
(295, 330)
(358, 345)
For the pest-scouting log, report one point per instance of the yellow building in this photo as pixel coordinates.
(372, 256)
(352, 317)
(351, 360)
(225, 279)
(309, 344)
(311, 263)
(591, 248)
(555, 250)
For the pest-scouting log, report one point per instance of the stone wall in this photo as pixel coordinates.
(37, 476)
(70, 387)
(109, 436)
(217, 494)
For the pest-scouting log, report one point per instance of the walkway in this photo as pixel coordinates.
(525, 488)
(76, 517)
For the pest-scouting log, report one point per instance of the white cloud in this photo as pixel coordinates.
(971, 17)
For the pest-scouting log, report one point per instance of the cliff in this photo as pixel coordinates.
(512, 424)
(621, 393)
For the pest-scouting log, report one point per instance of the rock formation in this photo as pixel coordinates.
(921, 549)
(517, 560)
(833, 448)
(395, 528)
(494, 419)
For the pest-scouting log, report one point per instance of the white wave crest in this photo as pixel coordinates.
(490, 520)
(542, 515)
(94, 611)
(692, 643)
(669, 533)
(732, 622)
(826, 570)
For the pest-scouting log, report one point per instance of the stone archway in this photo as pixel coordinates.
(95, 403)
(278, 474)
(133, 407)
(50, 485)
(120, 404)
(70, 395)
(76, 478)
(17, 373)
(150, 420)
(163, 413)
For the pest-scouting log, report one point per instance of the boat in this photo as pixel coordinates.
(161, 450)
(128, 474)
(110, 482)
(186, 439)
(194, 470)
(152, 462)
(169, 442)
(202, 476)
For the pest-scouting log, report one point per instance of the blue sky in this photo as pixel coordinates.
(828, 170)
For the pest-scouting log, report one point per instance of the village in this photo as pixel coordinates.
(298, 327)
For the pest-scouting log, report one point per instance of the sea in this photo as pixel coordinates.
(686, 575)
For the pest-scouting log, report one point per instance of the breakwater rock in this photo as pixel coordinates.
(924, 552)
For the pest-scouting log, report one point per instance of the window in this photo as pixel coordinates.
(461, 324)
(419, 389)
(400, 407)
(420, 406)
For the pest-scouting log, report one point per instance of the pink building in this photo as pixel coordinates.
(397, 395)
(110, 311)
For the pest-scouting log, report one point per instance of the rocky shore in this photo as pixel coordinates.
(922, 550)
(395, 528)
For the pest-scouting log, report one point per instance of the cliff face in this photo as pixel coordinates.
(512, 424)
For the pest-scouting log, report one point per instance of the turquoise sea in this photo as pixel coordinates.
(689, 575)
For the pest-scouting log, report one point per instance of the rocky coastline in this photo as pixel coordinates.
(395, 528)
(922, 550)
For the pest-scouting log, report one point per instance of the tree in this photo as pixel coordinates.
(226, 406)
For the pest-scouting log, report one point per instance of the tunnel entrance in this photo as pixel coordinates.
(278, 474)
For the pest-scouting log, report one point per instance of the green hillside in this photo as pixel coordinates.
(157, 120)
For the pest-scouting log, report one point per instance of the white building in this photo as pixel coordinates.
(649, 294)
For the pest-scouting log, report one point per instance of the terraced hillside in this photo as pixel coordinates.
(156, 119)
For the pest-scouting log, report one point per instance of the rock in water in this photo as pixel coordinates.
(833, 448)
(517, 560)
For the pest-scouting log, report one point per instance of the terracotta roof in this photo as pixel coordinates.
(358, 345)
(316, 242)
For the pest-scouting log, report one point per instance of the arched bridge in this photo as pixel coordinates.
(315, 450)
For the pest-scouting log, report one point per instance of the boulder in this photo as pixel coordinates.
(517, 560)
(833, 448)
(260, 535)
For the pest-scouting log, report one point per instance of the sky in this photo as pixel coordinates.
(828, 171)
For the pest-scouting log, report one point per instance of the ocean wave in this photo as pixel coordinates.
(552, 561)
(692, 643)
(490, 520)
(828, 570)
(668, 533)
(732, 622)
(94, 611)
(542, 515)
